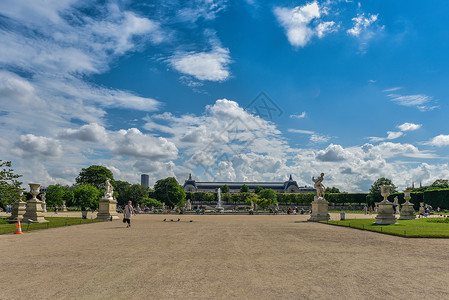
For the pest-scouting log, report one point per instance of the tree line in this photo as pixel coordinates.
(89, 187)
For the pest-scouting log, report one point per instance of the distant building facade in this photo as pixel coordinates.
(289, 186)
(145, 180)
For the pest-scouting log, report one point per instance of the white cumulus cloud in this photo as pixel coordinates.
(134, 143)
(88, 133)
(30, 145)
(212, 65)
(439, 141)
(409, 126)
(296, 22)
(391, 135)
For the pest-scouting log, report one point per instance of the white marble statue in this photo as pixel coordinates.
(396, 204)
(319, 186)
(109, 189)
(44, 204)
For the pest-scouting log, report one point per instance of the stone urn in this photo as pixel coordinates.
(407, 211)
(385, 213)
(34, 206)
(34, 189)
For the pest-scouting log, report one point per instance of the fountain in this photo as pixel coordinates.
(219, 206)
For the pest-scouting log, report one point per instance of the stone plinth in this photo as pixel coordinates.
(18, 210)
(33, 211)
(319, 210)
(407, 212)
(107, 208)
(64, 207)
(385, 214)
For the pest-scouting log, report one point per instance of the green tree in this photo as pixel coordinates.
(244, 189)
(248, 197)
(136, 193)
(225, 189)
(374, 191)
(95, 175)
(9, 186)
(169, 191)
(440, 183)
(55, 194)
(257, 189)
(149, 202)
(120, 192)
(268, 194)
(332, 190)
(69, 197)
(267, 198)
(86, 195)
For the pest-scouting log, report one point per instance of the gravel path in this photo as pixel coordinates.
(220, 257)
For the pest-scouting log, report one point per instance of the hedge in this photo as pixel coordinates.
(437, 198)
(416, 198)
(342, 198)
(286, 199)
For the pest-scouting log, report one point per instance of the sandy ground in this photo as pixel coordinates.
(220, 257)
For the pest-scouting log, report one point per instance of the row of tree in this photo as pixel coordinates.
(90, 186)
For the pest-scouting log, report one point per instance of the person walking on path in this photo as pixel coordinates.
(127, 214)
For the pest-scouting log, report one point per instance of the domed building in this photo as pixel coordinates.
(289, 186)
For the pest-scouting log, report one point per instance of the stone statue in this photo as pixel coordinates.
(319, 186)
(44, 204)
(396, 204)
(109, 189)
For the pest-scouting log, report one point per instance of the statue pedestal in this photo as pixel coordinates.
(107, 208)
(407, 212)
(34, 212)
(18, 210)
(319, 210)
(385, 214)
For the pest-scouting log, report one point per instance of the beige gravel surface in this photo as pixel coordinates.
(220, 257)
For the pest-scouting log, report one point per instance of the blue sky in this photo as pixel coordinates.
(226, 90)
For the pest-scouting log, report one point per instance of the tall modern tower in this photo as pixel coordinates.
(145, 180)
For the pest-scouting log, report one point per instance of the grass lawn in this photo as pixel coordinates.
(6, 227)
(424, 227)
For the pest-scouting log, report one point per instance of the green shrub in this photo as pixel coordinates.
(435, 198)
